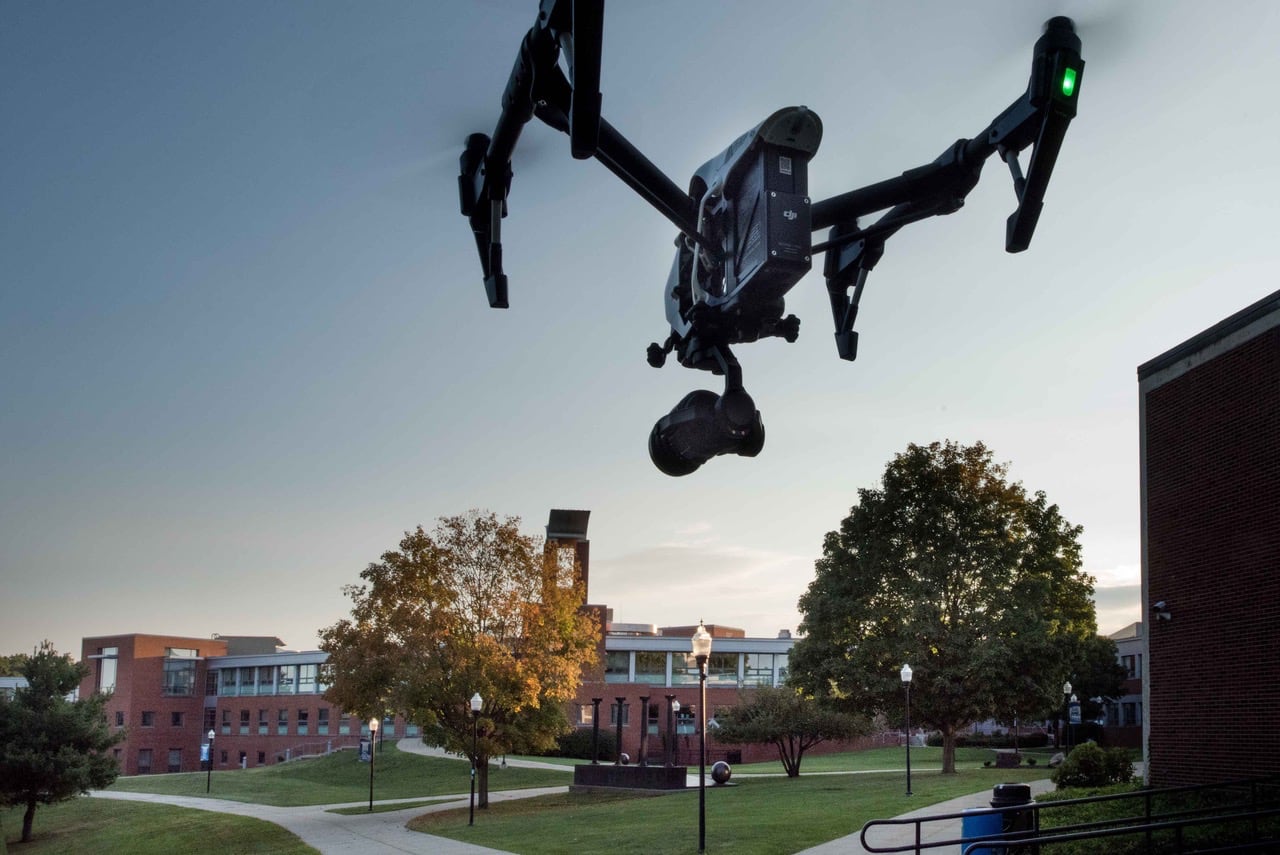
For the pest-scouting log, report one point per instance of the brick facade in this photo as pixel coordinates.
(1210, 449)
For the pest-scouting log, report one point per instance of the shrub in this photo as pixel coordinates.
(577, 744)
(1090, 766)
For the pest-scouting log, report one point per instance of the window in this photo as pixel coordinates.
(180, 671)
(247, 686)
(226, 721)
(585, 715)
(264, 721)
(227, 687)
(144, 761)
(175, 759)
(304, 722)
(210, 719)
(322, 721)
(282, 722)
(651, 667)
(244, 722)
(211, 683)
(175, 719)
(307, 677)
(1130, 664)
(223, 758)
(266, 674)
(722, 669)
(287, 680)
(654, 718)
(109, 658)
(262, 757)
(613, 714)
(344, 724)
(684, 670)
(411, 729)
(684, 722)
(388, 726)
(617, 666)
(148, 718)
(119, 718)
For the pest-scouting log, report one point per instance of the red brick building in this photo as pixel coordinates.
(1210, 502)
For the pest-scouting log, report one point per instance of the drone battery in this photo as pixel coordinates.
(771, 214)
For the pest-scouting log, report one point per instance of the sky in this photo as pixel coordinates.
(244, 342)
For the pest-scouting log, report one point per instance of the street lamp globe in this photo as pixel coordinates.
(906, 673)
(701, 643)
(476, 703)
(1066, 688)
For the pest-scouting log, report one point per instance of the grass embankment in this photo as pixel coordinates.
(101, 825)
(758, 815)
(875, 759)
(340, 778)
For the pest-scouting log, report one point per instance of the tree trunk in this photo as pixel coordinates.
(949, 750)
(27, 818)
(482, 781)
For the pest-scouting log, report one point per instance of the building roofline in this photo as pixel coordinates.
(1224, 328)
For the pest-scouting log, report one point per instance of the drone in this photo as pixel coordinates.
(746, 222)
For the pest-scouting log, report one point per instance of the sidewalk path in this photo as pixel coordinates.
(889, 836)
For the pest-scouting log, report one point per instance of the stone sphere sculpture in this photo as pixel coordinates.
(720, 772)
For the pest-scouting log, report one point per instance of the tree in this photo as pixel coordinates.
(473, 606)
(953, 570)
(11, 666)
(790, 721)
(52, 749)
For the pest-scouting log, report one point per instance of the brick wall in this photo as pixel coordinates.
(1211, 440)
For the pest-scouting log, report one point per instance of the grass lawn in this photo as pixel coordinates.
(759, 815)
(882, 758)
(102, 825)
(340, 778)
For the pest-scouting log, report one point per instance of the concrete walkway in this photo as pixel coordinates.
(889, 836)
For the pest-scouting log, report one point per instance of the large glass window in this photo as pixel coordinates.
(684, 669)
(722, 669)
(264, 721)
(244, 722)
(757, 669)
(307, 675)
(322, 721)
(287, 680)
(179, 673)
(227, 688)
(266, 673)
(107, 668)
(617, 666)
(247, 682)
(651, 667)
(613, 714)
(282, 722)
(304, 722)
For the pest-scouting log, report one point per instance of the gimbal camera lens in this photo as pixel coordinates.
(704, 425)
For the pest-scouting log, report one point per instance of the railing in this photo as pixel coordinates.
(1253, 802)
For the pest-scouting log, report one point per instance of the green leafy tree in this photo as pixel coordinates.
(472, 607)
(11, 666)
(788, 720)
(949, 568)
(52, 749)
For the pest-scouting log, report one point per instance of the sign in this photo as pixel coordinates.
(365, 755)
(204, 752)
(1073, 712)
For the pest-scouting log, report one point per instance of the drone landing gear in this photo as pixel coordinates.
(704, 424)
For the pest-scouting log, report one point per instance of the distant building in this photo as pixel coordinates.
(1209, 425)
(8, 685)
(1123, 725)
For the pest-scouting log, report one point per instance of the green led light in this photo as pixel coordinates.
(1069, 82)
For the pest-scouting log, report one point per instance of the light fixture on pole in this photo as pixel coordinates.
(373, 734)
(1066, 700)
(701, 644)
(476, 703)
(208, 781)
(906, 682)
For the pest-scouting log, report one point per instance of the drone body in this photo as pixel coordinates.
(746, 222)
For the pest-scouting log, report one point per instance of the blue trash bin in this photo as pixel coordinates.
(976, 823)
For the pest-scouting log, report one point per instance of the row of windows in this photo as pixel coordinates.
(265, 680)
(665, 668)
(266, 723)
(683, 719)
(176, 719)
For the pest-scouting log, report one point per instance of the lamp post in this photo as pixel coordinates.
(476, 703)
(701, 644)
(906, 682)
(1066, 701)
(373, 735)
(1073, 715)
(208, 781)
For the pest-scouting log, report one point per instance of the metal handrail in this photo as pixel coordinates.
(1101, 828)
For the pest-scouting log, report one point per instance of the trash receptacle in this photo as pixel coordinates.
(1014, 821)
(977, 823)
